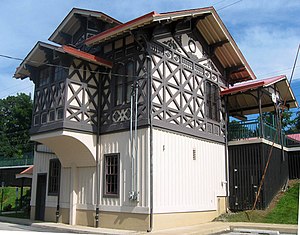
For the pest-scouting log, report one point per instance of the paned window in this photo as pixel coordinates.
(54, 177)
(45, 75)
(212, 101)
(60, 73)
(123, 83)
(111, 172)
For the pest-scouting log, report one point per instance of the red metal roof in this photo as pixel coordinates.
(120, 27)
(252, 85)
(28, 171)
(86, 56)
(294, 136)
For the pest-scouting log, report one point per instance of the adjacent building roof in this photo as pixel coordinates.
(243, 98)
(70, 23)
(210, 26)
(37, 57)
(27, 173)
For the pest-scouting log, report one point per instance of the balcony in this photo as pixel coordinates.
(252, 129)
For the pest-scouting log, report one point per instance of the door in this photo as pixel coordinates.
(40, 196)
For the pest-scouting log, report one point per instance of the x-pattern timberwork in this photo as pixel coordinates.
(178, 90)
(82, 97)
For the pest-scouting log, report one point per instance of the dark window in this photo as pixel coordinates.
(54, 177)
(60, 114)
(45, 75)
(212, 101)
(44, 118)
(36, 120)
(60, 73)
(111, 172)
(51, 115)
(123, 83)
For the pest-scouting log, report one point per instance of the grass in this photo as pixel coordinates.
(9, 197)
(282, 210)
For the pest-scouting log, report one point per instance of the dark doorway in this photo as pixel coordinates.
(40, 197)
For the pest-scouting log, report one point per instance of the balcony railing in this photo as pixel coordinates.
(14, 162)
(251, 129)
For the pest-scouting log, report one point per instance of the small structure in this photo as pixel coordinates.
(251, 143)
(25, 175)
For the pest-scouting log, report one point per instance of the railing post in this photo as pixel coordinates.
(261, 129)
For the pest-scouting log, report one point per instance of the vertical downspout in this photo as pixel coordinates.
(131, 139)
(58, 195)
(135, 137)
(98, 157)
(226, 146)
(149, 81)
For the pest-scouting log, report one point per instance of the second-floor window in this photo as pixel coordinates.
(123, 83)
(212, 95)
(52, 74)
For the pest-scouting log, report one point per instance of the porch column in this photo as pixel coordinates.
(73, 195)
(261, 129)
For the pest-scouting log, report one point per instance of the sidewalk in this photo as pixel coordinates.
(203, 229)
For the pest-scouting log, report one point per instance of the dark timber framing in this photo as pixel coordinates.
(178, 78)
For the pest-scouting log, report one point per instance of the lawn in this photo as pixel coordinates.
(283, 209)
(8, 197)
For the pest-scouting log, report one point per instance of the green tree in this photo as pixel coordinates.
(15, 121)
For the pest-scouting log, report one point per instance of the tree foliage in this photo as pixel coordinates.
(15, 121)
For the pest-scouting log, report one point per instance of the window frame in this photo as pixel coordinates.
(123, 83)
(212, 98)
(117, 182)
(52, 177)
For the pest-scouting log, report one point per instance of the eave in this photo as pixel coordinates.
(70, 21)
(37, 57)
(210, 26)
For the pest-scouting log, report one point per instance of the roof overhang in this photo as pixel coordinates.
(243, 98)
(71, 23)
(210, 26)
(27, 173)
(37, 57)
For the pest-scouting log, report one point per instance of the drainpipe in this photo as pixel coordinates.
(98, 159)
(226, 146)
(58, 195)
(149, 81)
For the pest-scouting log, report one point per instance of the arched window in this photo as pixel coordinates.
(123, 83)
(119, 94)
(212, 101)
(129, 81)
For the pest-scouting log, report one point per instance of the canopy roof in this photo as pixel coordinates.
(243, 99)
(27, 173)
(71, 23)
(209, 25)
(37, 57)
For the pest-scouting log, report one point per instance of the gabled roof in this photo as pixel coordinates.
(210, 26)
(37, 57)
(70, 23)
(242, 98)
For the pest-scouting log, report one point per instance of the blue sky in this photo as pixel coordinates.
(267, 32)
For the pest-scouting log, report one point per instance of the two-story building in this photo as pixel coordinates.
(130, 121)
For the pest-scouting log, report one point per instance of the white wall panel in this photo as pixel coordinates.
(86, 186)
(120, 143)
(182, 183)
(41, 165)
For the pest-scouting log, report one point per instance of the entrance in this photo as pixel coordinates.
(40, 197)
